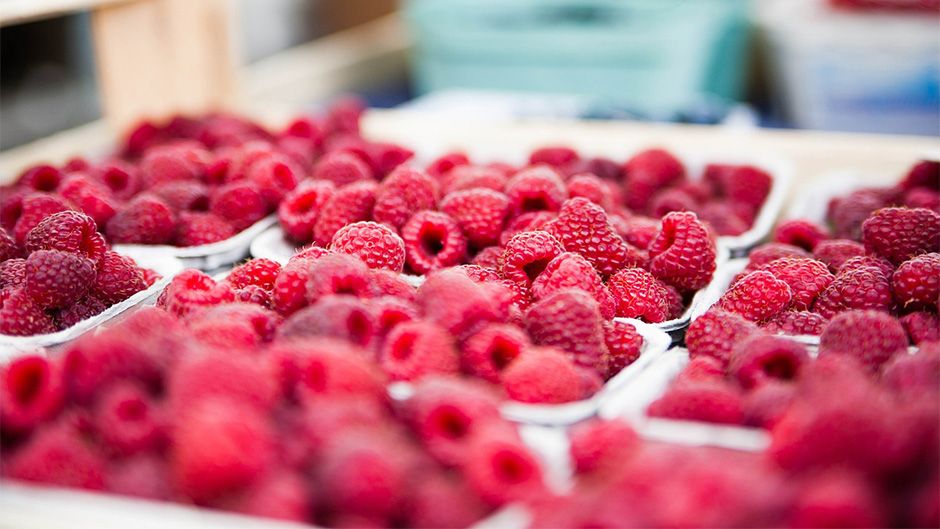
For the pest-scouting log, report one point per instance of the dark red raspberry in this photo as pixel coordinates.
(916, 282)
(338, 274)
(465, 177)
(8, 247)
(184, 195)
(582, 227)
(91, 197)
(862, 288)
(480, 213)
(68, 231)
(530, 221)
(33, 210)
(807, 278)
(84, 308)
(639, 295)
(144, 220)
(800, 232)
(542, 375)
(195, 229)
(527, 255)
(879, 263)
(600, 446)
(758, 296)
(274, 177)
(741, 184)
(925, 173)
(669, 200)
(570, 270)
(772, 251)
(624, 345)
(899, 234)
(796, 323)
(555, 156)
(351, 203)
(416, 349)
(375, 244)
(290, 287)
(591, 187)
(487, 353)
(403, 193)
(444, 164)
(722, 218)
(638, 230)
(921, 327)
(712, 401)
(433, 240)
(128, 421)
(31, 393)
(838, 498)
(300, 209)
(871, 337)
(715, 333)
(683, 253)
(570, 320)
(258, 272)
(846, 214)
(759, 358)
(118, 278)
(646, 173)
(41, 178)
(57, 455)
(538, 188)
(240, 203)
(341, 168)
(192, 290)
(56, 279)
(344, 317)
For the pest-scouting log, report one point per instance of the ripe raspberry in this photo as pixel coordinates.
(701, 368)
(274, 177)
(391, 284)
(375, 244)
(444, 164)
(838, 498)
(803, 233)
(486, 353)
(118, 278)
(591, 187)
(916, 282)
(715, 333)
(56, 279)
(195, 229)
(192, 290)
(341, 168)
(240, 203)
(871, 337)
(403, 193)
(34, 209)
(183, 195)
(367, 476)
(489, 257)
(570, 320)
(480, 274)
(555, 156)
(500, 469)
(846, 214)
(862, 288)
(453, 301)
(320, 370)
(241, 379)
(41, 178)
(759, 358)
(722, 218)
(682, 254)
(56, 455)
(899, 234)
(570, 270)
(84, 308)
(256, 295)
(771, 251)
(128, 421)
(30, 394)
(281, 495)
(300, 209)
(879, 263)
(144, 220)
(601, 446)
(8, 247)
(123, 180)
(669, 200)
(527, 255)
(258, 272)
(343, 317)
(480, 213)
(624, 345)
(758, 296)
(542, 375)
(530, 221)
(290, 288)
(582, 227)
(925, 173)
(441, 500)
(68, 231)
(646, 173)
(536, 188)
(921, 327)
(706, 401)
(21, 316)
(796, 323)
(912, 374)
(416, 349)
(466, 177)
(675, 301)
(807, 278)
(91, 197)
(386, 157)
(742, 184)
(352, 203)
(168, 163)
(639, 295)
(922, 198)
(433, 240)
(766, 404)
(338, 274)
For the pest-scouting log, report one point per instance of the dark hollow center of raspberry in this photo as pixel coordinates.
(359, 327)
(403, 347)
(116, 180)
(132, 410)
(304, 203)
(502, 352)
(432, 241)
(283, 176)
(26, 383)
(533, 269)
(46, 180)
(534, 203)
(510, 468)
(781, 367)
(451, 423)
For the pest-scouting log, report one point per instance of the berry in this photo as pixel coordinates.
(862, 288)
(836, 252)
(527, 255)
(290, 288)
(391, 284)
(351, 203)
(489, 257)
(796, 323)
(591, 187)
(144, 220)
(121, 179)
(925, 173)
(366, 476)
(195, 229)
(56, 279)
(12, 273)
(530, 221)
(453, 301)
(571, 270)
(183, 195)
(68, 231)
(837, 499)
(82, 309)
(807, 278)
(403, 193)
(118, 278)
(638, 231)
(771, 251)
(899, 234)
(192, 290)
(488, 352)
(646, 173)
(344, 317)
(871, 337)
(921, 327)
(480, 213)
(707, 401)
(416, 349)
(258, 272)
(375, 244)
(466, 177)
(669, 200)
(240, 203)
(675, 301)
(255, 294)
(702, 368)
(538, 188)
(758, 296)
(555, 156)
(624, 345)
(41, 178)
(282, 495)
(169, 163)
(846, 214)
(912, 374)
(341, 168)
(639, 295)
(542, 375)
(599, 446)
(56, 455)
(274, 177)
(325, 369)
(916, 282)
(879, 263)
(128, 421)
(741, 184)
(761, 357)
(8, 247)
(21, 316)
(582, 227)
(570, 320)
(766, 404)
(439, 500)
(433, 240)
(34, 209)
(803, 233)
(31, 392)
(300, 209)
(715, 333)
(338, 274)
(444, 164)
(722, 218)
(682, 254)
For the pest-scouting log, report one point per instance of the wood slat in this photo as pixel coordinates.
(22, 11)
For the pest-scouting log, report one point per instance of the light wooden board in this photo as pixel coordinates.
(22, 11)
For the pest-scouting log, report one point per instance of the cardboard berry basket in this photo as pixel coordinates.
(166, 266)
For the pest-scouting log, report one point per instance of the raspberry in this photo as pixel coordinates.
(480, 274)
(646, 173)
(8, 247)
(258, 272)
(916, 282)
(300, 209)
(669, 200)
(771, 251)
(466, 177)
(489, 257)
(624, 345)
(367, 476)
(282, 495)
(527, 255)
(34, 209)
(807, 278)
(570, 320)
(536, 188)
(433, 241)
(599, 446)
(121, 179)
(922, 198)
(195, 229)
(84, 308)
(338, 274)
(444, 164)
(389, 311)
(741, 184)
(488, 352)
(341, 168)
(342, 317)
(31, 393)
(796, 323)
(56, 455)
(925, 173)
(639, 295)
(216, 374)
(255, 323)
(118, 278)
(12, 273)
(452, 300)
(706, 401)
(416, 349)
(530, 221)
(759, 358)
(439, 500)
(758, 296)
(41, 178)
(846, 214)
(766, 404)
(639, 231)
(722, 218)
(682, 254)
(871, 337)
(715, 333)
(240, 203)
(184, 195)
(921, 327)
(675, 301)
(352, 203)
(591, 187)
(803, 233)
(274, 177)
(168, 163)
(223, 448)
(480, 213)
(570, 270)
(145, 476)
(375, 244)
(328, 368)
(193, 290)
(403, 193)
(582, 227)
(500, 469)
(837, 498)
(290, 288)
(555, 156)
(144, 220)
(862, 288)
(91, 197)
(910, 374)
(879, 263)
(128, 421)
(701, 368)
(68, 231)
(899, 234)
(56, 279)
(391, 284)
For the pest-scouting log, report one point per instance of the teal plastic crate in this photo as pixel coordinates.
(656, 55)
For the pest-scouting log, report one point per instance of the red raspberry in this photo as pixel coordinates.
(256, 295)
(193, 290)
(624, 345)
(166, 163)
(871, 337)
(582, 227)
(68, 231)
(367, 476)
(145, 476)
(707, 401)
(281, 495)
(444, 164)
(800, 232)
(341, 168)
(899, 234)
(669, 200)
(759, 358)
(916, 282)
(605, 168)
(352, 203)
(913, 374)
(184, 195)
(339, 274)
(433, 241)
(195, 229)
(837, 498)
(34, 209)
(925, 173)
(452, 300)
(118, 278)
(530, 221)
(570, 270)
(771, 251)
(248, 381)
(391, 284)
(480, 274)
(591, 187)
(41, 178)
(300, 209)
(290, 288)
(676, 302)
(144, 220)
(846, 214)
(807, 278)
(570, 320)
(758, 296)
(527, 255)
(542, 375)
(555, 156)
(921, 327)
(489, 257)
(57, 455)
(258, 272)
(486, 353)
(480, 213)
(30, 394)
(416, 349)
(702, 368)
(320, 370)
(403, 193)
(441, 500)
(879, 263)
(722, 218)
(56, 279)
(8, 247)
(796, 323)
(862, 288)
(601, 446)
(682, 254)
(128, 421)
(375, 244)
(538, 188)
(92, 198)
(922, 198)
(121, 179)
(639, 231)
(240, 203)
(715, 333)
(500, 469)
(82, 309)
(742, 184)
(766, 404)
(385, 157)
(646, 173)
(274, 177)
(639, 295)
(466, 177)
(343, 317)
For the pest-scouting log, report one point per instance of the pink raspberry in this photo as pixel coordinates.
(862, 288)
(500, 469)
(258, 272)
(646, 173)
(68, 231)
(31, 393)
(759, 358)
(925, 174)
(600, 446)
(341, 168)
(624, 345)
(44, 178)
(899, 234)
(240, 203)
(375, 244)
(542, 375)
(416, 349)
(912, 374)
(803, 233)
(128, 421)
(582, 227)
(403, 193)
(916, 282)
(441, 500)
(706, 401)
(274, 177)
(8, 247)
(836, 252)
(715, 333)
(433, 240)
(56, 279)
(488, 352)
(796, 323)
(771, 251)
(639, 295)
(57, 455)
(240, 379)
(144, 220)
(196, 229)
(338, 274)
(191, 291)
(758, 296)
(123, 180)
(683, 253)
(300, 209)
(480, 213)
(527, 255)
(351, 203)
(343, 317)
(168, 163)
(570, 270)
(570, 320)
(871, 337)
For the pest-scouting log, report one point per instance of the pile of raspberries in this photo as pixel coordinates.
(60, 273)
